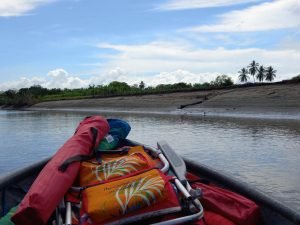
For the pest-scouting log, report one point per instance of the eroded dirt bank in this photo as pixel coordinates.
(274, 99)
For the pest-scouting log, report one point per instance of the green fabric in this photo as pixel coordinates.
(6, 219)
(118, 131)
(108, 143)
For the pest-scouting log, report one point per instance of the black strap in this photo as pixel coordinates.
(121, 151)
(77, 158)
(95, 134)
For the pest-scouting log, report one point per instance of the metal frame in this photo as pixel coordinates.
(184, 190)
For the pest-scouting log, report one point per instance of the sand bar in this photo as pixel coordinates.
(272, 101)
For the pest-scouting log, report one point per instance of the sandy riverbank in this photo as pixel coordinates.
(277, 101)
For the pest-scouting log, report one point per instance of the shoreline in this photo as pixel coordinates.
(220, 114)
(266, 102)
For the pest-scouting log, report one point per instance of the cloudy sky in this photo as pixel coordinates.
(74, 43)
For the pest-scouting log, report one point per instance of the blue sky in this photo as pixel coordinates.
(74, 43)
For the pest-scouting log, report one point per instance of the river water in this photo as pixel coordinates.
(264, 153)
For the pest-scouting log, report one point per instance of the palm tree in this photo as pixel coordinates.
(261, 73)
(243, 75)
(253, 68)
(270, 73)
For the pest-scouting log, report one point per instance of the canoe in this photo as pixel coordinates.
(14, 186)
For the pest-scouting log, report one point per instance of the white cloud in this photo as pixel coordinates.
(278, 14)
(162, 56)
(58, 78)
(19, 7)
(168, 62)
(192, 4)
(179, 76)
(155, 79)
(113, 74)
(22, 82)
(159, 57)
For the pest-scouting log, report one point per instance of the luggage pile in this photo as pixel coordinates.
(97, 178)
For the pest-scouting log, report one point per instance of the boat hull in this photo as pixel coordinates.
(14, 186)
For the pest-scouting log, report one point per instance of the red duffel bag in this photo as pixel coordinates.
(59, 174)
(229, 205)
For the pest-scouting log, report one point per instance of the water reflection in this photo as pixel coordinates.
(262, 152)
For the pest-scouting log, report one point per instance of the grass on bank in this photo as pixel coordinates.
(28, 96)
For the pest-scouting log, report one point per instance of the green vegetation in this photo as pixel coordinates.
(36, 93)
(270, 74)
(222, 81)
(253, 66)
(243, 75)
(295, 79)
(262, 73)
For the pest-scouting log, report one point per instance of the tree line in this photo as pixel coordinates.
(37, 93)
(257, 71)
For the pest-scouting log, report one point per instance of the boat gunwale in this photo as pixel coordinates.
(244, 189)
(20, 174)
(196, 168)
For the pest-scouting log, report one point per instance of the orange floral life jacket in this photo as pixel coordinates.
(115, 165)
(125, 188)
